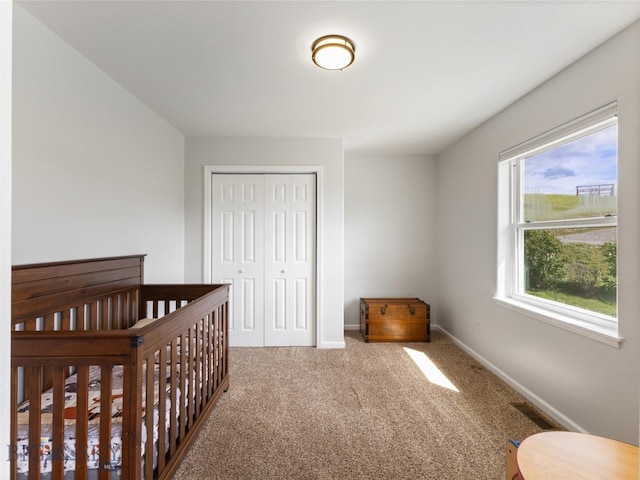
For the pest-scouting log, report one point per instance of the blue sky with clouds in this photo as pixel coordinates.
(590, 160)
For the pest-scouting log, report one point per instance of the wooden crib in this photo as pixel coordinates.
(76, 352)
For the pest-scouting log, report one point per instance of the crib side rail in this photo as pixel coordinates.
(189, 344)
(69, 345)
(78, 353)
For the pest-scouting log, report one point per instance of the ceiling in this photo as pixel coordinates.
(425, 74)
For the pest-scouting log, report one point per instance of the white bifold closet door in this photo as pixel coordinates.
(263, 244)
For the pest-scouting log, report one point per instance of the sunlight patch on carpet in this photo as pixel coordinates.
(429, 369)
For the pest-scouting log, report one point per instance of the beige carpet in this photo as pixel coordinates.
(364, 412)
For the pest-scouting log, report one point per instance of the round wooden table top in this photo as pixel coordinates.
(569, 455)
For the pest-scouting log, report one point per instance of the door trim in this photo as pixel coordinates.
(210, 170)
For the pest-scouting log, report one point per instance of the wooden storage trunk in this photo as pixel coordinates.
(394, 320)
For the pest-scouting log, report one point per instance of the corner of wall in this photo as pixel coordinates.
(6, 62)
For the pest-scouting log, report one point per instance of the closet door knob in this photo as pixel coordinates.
(283, 271)
(240, 271)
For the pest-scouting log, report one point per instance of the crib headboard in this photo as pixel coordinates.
(92, 294)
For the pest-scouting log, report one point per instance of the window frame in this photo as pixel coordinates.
(510, 290)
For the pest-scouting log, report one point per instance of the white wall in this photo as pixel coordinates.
(96, 173)
(588, 385)
(250, 151)
(6, 14)
(390, 211)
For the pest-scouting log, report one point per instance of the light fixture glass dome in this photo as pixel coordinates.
(333, 52)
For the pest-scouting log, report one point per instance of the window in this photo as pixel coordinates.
(558, 224)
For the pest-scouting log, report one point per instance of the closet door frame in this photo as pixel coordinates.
(210, 170)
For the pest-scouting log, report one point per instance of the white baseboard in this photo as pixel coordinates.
(558, 416)
(352, 327)
(331, 345)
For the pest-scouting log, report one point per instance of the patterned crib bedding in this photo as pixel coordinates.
(93, 444)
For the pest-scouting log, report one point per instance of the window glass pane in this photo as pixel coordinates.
(573, 266)
(575, 180)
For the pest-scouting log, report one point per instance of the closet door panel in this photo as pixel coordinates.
(238, 254)
(289, 269)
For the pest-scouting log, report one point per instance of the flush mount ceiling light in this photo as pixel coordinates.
(333, 52)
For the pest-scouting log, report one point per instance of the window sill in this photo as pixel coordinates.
(598, 333)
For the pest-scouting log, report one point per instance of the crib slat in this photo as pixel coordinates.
(105, 421)
(216, 348)
(135, 299)
(205, 362)
(105, 323)
(57, 462)
(117, 311)
(197, 358)
(127, 318)
(65, 319)
(162, 407)
(80, 319)
(127, 450)
(148, 455)
(34, 380)
(214, 356)
(93, 316)
(224, 329)
(210, 355)
(183, 384)
(173, 427)
(219, 329)
(131, 307)
(214, 352)
(191, 377)
(121, 311)
(82, 420)
(122, 308)
(49, 322)
(132, 452)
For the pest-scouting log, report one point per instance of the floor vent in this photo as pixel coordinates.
(530, 413)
